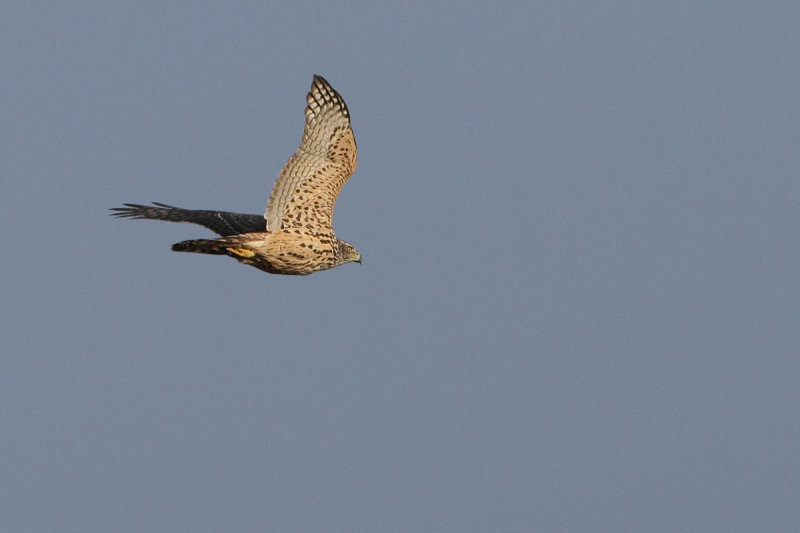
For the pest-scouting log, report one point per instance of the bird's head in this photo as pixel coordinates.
(347, 253)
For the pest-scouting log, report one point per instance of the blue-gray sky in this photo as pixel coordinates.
(578, 308)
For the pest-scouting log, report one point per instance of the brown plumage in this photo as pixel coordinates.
(295, 235)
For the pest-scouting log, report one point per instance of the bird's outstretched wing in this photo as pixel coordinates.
(306, 189)
(220, 222)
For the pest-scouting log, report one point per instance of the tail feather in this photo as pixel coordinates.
(201, 246)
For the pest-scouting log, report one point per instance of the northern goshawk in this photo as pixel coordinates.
(295, 235)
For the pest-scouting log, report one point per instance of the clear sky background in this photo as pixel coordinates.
(578, 308)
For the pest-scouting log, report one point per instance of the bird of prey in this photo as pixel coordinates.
(295, 235)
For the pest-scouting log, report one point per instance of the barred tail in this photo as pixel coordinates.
(201, 246)
(226, 246)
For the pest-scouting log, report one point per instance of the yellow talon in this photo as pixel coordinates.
(243, 252)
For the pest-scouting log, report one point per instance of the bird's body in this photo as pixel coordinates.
(295, 236)
(284, 251)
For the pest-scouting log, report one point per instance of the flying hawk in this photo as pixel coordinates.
(295, 234)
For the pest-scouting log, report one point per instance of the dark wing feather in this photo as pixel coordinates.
(220, 222)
